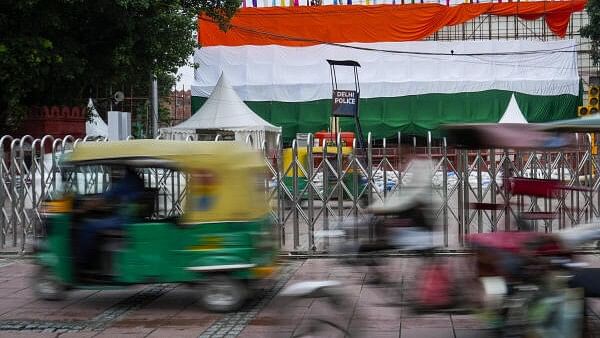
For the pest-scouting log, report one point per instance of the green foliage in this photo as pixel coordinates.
(592, 30)
(61, 51)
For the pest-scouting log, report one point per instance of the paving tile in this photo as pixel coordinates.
(376, 297)
(326, 330)
(99, 301)
(125, 332)
(252, 331)
(120, 335)
(81, 294)
(467, 322)
(381, 325)
(18, 269)
(279, 303)
(376, 333)
(426, 332)
(350, 289)
(196, 311)
(427, 321)
(30, 314)
(152, 313)
(11, 304)
(77, 314)
(177, 314)
(320, 309)
(11, 291)
(26, 293)
(284, 322)
(80, 334)
(25, 334)
(381, 319)
(16, 282)
(462, 333)
(380, 312)
(176, 333)
(162, 322)
(39, 304)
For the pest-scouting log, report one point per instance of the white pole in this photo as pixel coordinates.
(154, 106)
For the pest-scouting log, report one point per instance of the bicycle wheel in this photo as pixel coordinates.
(558, 316)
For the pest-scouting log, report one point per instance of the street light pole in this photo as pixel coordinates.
(154, 106)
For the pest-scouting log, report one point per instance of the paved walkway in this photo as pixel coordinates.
(172, 311)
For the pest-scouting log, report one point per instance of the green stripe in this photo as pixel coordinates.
(412, 115)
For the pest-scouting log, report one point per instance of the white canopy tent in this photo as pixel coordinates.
(225, 110)
(95, 126)
(513, 114)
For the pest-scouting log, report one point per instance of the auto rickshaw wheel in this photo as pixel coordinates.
(222, 293)
(46, 286)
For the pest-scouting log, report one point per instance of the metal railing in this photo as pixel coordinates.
(313, 186)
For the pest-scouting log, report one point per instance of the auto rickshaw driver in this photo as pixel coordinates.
(121, 201)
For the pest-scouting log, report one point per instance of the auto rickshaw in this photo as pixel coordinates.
(222, 241)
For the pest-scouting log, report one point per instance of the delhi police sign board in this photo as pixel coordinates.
(345, 103)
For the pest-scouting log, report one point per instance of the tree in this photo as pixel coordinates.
(61, 51)
(592, 30)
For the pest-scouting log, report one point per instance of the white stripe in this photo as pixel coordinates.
(220, 267)
(297, 74)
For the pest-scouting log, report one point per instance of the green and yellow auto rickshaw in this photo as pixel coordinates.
(200, 218)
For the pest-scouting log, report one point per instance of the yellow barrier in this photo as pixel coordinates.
(303, 157)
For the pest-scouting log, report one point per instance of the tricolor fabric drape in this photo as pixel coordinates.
(311, 25)
(275, 59)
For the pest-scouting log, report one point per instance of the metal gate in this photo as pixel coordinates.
(315, 185)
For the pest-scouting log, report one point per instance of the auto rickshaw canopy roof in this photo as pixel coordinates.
(586, 124)
(501, 135)
(183, 154)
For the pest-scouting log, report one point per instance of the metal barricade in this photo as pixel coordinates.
(311, 187)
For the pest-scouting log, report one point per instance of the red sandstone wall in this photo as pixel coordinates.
(57, 121)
